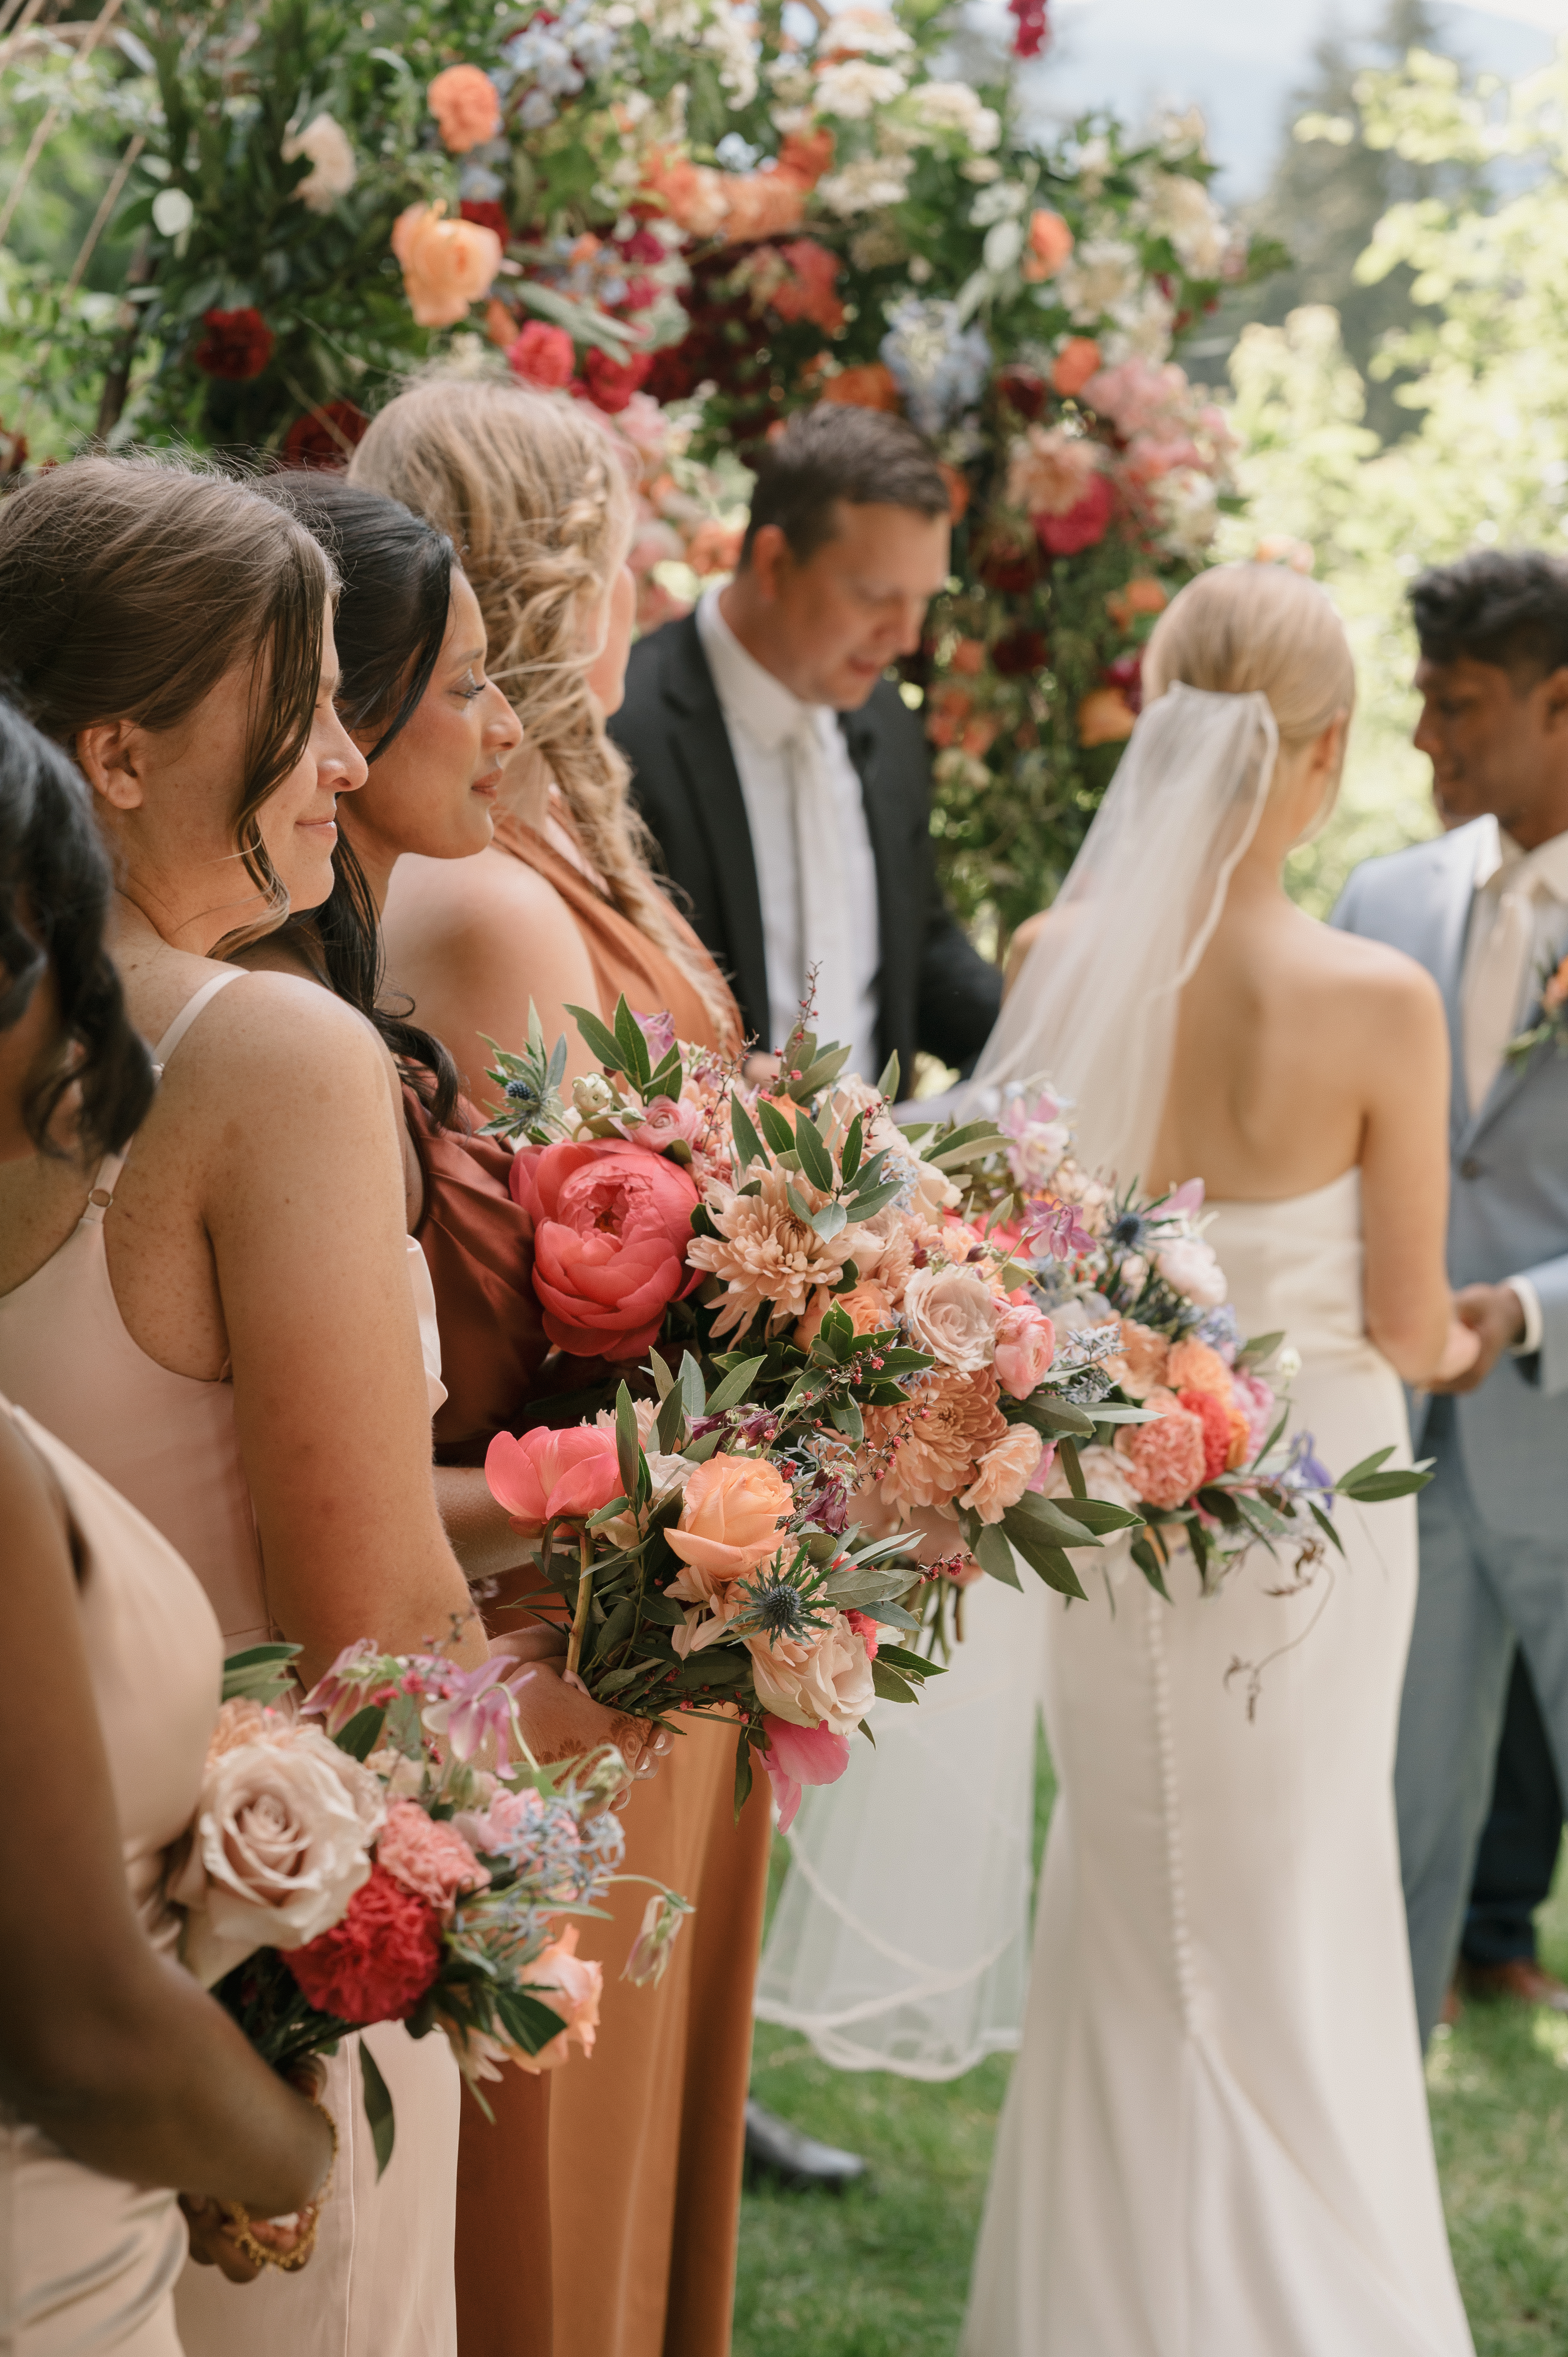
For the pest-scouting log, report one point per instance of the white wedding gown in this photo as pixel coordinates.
(1216, 2140)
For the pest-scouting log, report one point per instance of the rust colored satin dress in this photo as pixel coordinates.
(646, 2137)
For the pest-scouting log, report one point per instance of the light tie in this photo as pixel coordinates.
(821, 903)
(1494, 988)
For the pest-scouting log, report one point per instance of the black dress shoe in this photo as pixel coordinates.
(780, 2153)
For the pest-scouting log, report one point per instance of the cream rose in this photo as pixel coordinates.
(951, 1313)
(822, 1680)
(285, 1827)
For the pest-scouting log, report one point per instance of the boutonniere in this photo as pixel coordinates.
(1551, 1023)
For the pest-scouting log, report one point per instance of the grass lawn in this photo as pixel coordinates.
(883, 2272)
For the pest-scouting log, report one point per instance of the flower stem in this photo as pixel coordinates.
(580, 1618)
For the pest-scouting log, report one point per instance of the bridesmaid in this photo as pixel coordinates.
(564, 907)
(122, 2077)
(221, 1325)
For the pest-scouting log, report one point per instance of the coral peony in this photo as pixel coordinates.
(1081, 525)
(1005, 1473)
(1050, 243)
(1105, 717)
(378, 1963)
(1165, 1460)
(571, 1985)
(429, 1858)
(800, 1755)
(611, 1229)
(731, 1512)
(951, 1313)
(466, 107)
(237, 345)
(956, 1420)
(545, 1477)
(446, 264)
(543, 355)
(822, 1679)
(1075, 363)
(1215, 1418)
(1025, 1345)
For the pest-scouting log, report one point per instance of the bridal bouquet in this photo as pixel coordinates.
(351, 1863)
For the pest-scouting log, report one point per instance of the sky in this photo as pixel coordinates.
(1241, 59)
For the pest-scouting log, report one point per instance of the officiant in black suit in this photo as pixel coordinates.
(785, 780)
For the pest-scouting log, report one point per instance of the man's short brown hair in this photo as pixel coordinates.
(836, 452)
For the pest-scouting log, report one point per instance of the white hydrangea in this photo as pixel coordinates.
(866, 185)
(1093, 166)
(1102, 273)
(1183, 134)
(1143, 324)
(853, 88)
(1174, 205)
(789, 78)
(1187, 505)
(953, 106)
(728, 39)
(867, 33)
(329, 152)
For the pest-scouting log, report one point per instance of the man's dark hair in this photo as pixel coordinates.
(836, 452)
(1505, 608)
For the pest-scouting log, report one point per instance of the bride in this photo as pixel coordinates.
(1216, 2141)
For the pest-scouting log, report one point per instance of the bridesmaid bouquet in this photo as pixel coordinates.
(352, 1863)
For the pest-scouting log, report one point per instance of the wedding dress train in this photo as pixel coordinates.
(1216, 2140)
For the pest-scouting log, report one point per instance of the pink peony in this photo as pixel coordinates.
(543, 355)
(571, 1985)
(1025, 1345)
(1165, 1460)
(800, 1755)
(427, 1856)
(546, 1477)
(612, 1227)
(1005, 1473)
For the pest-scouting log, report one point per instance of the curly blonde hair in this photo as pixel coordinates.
(535, 492)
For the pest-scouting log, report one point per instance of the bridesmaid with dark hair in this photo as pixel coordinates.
(219, 1319)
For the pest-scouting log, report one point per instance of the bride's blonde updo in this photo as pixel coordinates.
(534, 492)
(1246, 628)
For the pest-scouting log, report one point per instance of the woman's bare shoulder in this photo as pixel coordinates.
(274, 1032)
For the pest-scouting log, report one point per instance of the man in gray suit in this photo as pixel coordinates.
(1485, 910)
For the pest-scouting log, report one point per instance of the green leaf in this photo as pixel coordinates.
(742, 1129)
(692, 1390)
(633, 1046)
(853, 1145)
(992, 1551)
(830, 1221)
(1148, 1562)
(736, 1386)
(869, 1200)
(1378, 1486)
(797, 1203)
(742, 1773)
(1262, 1346)
(1365, 1465)
(1060, 1416)
(599, 1038)
(362, 1733)
(666, 1610)
(1326, 1525)
(1097, 1515)
(671, 1427)
(887, 1086)
(909, 1665)
(1046, 1520)
(1068, 1458)
(893, 1616)
(846, 1415)
(815, 1160)
(1051, 1563)
(663, 1375)
(526, 2020)
(261, 1673)
(629, 1447)
(379, 2114)
(889, 1684)
(775, 1128)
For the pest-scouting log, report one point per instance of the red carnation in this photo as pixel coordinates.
(611, 384)
(1216, 1430)
(237, 345)
(377, 1963)
(1083, 524)
(543, 355)
(487, 216)
(1033, 28)
(1019, 653)
(1022, 391)
(325, 436)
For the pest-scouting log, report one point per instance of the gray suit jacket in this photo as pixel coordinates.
(1509, 1213)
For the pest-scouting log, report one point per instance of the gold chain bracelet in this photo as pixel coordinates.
(291, 2259)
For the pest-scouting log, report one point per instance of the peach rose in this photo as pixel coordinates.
(428, 1857)
(865, 1305)
(821, 1681)
(466, 107)
(1142, 595)
(951, 1313)
(1192, 1366)
(1050, 243)
(1005, 1473)
(1105, 717)
(1145, 1353)
(730, 1518)
(1025, 1345)
(1165, 1460)
(446, 264)
(571, 1985)
(1076, 361)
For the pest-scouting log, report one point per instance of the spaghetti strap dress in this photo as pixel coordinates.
(647, 2137)
(381, 2283)
(87, 2264)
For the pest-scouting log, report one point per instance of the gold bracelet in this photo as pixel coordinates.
(291, 2260)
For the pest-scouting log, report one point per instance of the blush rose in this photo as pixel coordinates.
(821, 1680)
(951, 1313)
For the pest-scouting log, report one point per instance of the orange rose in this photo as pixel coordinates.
(729, 1522)
(1076, 361)
(1050, 243)
(873, 387)
(1143, 595)
(1193, 1367)
(465, 104)
(1105, 717)
(446, 264)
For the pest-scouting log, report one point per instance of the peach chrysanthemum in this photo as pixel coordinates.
(957, 1420)
(765, 1253)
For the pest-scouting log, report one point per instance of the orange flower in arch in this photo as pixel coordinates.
(872, 387)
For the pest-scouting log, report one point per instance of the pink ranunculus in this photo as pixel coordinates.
(1025, 1345)
(1256, 1401)
(800, 1755)
(548, 1477)
(428, 1856)
(612, 1225)
(543, 355)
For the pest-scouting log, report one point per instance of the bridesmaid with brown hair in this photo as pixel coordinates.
(646, 2142)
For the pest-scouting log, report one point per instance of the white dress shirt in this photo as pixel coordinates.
(802, 793)
(1519, 924)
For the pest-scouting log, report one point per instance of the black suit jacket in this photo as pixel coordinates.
(935, 991)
